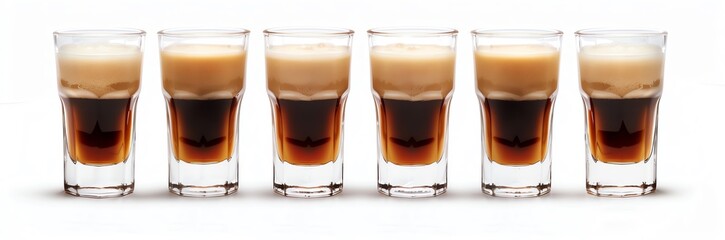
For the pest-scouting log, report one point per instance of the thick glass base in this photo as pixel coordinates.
(516, 181)
(412, 192)
(203, 191)
(99, 192)
(412, 181)
(307, 192)
(99, 181)
(621, 180)
(621, 191)
(308, 181)
(203, 180)
(516, 192)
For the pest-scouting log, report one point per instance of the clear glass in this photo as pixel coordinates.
(99, 75)
(413, 71)
(203, 72)
(308, 72)
(517, 72)
(621, 75)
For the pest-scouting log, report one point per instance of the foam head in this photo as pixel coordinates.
(412, 72)
(517, 72)
(98, 70)
(621, 70)
(203, 71)
(308, 72)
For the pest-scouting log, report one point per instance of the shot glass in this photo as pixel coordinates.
(308, 72)
(621, 77)
(203, 82)
(99, 73)
(412, 83)
(517, 72)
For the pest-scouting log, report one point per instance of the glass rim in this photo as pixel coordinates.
(412, 31)
(100, 32)
(308, 31)
(620, 32)
(203, 32)
(517, 33)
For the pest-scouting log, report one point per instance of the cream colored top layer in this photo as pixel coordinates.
(517, 72)
(198, 71)
(98, 70)
(308, 72)
(412, 72)
(621, 70)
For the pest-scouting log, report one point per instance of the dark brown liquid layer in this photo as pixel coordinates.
(308, 132)
(98, 131)
(412, 132)
(517, 132)
(622, 130)
(202, 131)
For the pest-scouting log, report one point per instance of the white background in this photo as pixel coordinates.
(690, 200)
